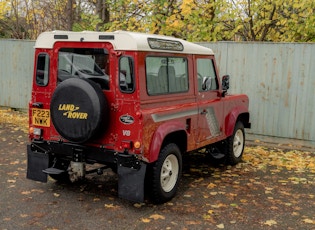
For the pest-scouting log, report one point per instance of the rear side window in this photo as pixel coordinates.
(42, 69)
(166, 75)
(126, 74)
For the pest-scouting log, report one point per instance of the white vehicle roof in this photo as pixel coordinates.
(123, 40)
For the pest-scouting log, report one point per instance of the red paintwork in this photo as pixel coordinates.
(161, 132)
(141, 107)
(235, 106)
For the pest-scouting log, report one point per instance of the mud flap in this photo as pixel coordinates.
(36, 163)
(131, 182)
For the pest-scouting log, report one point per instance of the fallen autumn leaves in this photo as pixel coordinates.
(260, 157)
(271, 188)
(14, 117)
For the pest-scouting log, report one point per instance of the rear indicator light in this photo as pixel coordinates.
(31, 130)
(137, 145)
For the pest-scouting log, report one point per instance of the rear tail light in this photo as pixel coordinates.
(136, 146)
(35, 132)
(126, 144)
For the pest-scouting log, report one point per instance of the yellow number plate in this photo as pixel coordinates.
(41, 117)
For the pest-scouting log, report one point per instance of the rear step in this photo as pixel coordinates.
(56, 171)
(53, 171)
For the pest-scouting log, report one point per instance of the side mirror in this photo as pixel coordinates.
(226, 82)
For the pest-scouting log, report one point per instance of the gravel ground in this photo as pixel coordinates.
(274, 188)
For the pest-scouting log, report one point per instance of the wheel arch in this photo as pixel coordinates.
(169, 132)
(237, 114)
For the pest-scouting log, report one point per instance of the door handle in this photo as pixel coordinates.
(204, 112)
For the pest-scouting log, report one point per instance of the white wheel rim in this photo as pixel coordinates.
(169, 173)
(238, 143)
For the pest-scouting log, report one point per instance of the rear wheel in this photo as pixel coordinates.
(166, 173)
(235, 144)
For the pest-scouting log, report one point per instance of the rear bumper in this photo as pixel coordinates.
(41, 154)
(131, 171)
(74, 152)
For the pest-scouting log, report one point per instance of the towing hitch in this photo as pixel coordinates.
(76, 170)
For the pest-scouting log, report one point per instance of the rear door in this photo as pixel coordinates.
(66, 60)
(91, 61)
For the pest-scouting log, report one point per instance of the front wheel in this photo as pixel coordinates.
(235, 144)
(166, 173)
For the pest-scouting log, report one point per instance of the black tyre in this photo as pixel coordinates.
(235, 144)
(78, 109)
(166, 173)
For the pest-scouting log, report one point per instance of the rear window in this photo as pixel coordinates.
(89, 63)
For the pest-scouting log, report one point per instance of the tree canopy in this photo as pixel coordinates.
(193, 20)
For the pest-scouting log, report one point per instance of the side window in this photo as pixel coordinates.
(42, 69)
(166, 75)
(126, 74)
(207, 79)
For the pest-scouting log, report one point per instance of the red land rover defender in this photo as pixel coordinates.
(132, 102)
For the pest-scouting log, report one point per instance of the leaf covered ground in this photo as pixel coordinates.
(272, 188)
(14, 117)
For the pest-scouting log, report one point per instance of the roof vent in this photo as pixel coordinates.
(106, 37)
(60, 36)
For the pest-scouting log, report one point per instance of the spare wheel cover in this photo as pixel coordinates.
(77, 109)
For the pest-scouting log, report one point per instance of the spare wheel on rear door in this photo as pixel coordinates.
(78, 109)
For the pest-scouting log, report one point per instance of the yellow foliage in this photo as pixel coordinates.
(281, 20)
(4, 8)
(187, 7)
